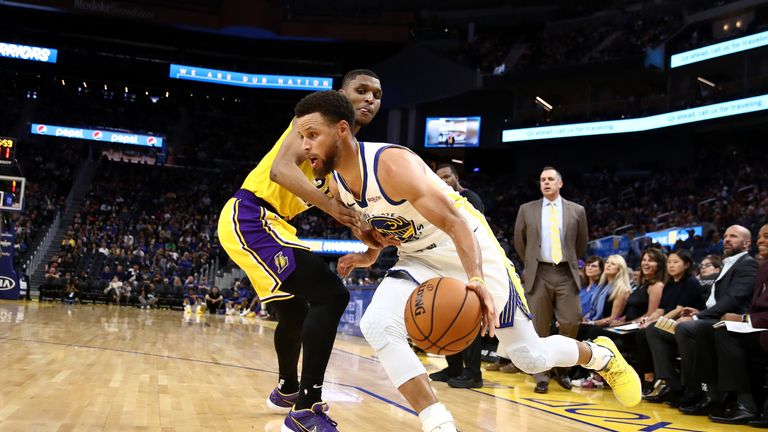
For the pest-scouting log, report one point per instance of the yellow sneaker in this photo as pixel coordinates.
(620, 375)
(200, 310)
(250, 315)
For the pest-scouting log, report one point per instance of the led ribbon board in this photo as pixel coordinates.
(284, 82)
(719, 50)
(97, 135)
(334, 247)
(26, 52)
(675, 118)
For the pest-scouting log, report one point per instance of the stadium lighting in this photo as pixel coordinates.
(85, 84)
(458, 161)
(63, 83)
(705, 81)
(542, 103)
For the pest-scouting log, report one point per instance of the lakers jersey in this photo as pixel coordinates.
(281, 199)
(399, 219)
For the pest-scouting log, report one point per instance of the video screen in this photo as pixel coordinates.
(452, 132)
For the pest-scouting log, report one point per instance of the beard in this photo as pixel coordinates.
(327, 164)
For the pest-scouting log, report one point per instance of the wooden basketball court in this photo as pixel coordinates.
(109, 368)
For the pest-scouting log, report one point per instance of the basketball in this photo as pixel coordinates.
(442, 316)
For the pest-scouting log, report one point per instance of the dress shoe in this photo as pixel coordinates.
(648, 387)
(661, 393)
(691, 398)
(705, 406)
(465, 381)
(542, 387)
(762, 422)
(563, 379)
(443, 375)
(740, 415)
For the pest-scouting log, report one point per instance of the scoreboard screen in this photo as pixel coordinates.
(7, 150)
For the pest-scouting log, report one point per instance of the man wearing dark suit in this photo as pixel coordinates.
(695, 335)
(550, 235)
(735, 352)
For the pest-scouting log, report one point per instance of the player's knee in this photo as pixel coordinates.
(528, 359)
(377, 329)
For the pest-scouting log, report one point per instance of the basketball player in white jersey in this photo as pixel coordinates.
(440, 234)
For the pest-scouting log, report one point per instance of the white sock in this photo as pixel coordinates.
(600, 357)
(436, 417)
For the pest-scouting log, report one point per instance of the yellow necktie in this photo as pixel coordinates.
(554, 235)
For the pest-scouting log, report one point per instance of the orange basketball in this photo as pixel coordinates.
(442, 316)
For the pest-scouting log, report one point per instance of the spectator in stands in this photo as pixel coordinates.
(732, 293)
(106, 274)
(147, 297)
(735, 353)
(113, 289)
(762, 245)
(682, 290)
(593, 271)
(214, 300)
(694, 333)
(70, 294)
(709, 271)
(609, 300)
(646, 298)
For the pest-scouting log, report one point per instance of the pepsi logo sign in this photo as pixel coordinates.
(7, 283)
(41, 129)
(97, 135)
(151, 140)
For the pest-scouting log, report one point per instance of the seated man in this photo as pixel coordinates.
(735, 352)
(694, 333)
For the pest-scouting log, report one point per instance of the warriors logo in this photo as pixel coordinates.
(400, 228)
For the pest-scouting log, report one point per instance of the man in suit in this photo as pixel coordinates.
(735, 352)
(550, 236)
(695, 335)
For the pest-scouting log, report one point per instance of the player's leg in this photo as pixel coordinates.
(313, 282)
(383, 326)
(290, 322)
(533, 354)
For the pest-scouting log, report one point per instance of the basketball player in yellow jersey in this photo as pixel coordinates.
(309, 299)
(440, 234)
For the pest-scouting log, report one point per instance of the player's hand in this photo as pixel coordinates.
(490, 317)
(374, 239)
(349, 262)
(345, 215)
(731, 317)
(683, 319)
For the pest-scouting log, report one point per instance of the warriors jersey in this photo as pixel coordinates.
(399, 219)
(281, 199)
(425, 251)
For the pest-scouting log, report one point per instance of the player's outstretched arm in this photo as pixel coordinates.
(349, 262)
(437, 208)
(285, 172)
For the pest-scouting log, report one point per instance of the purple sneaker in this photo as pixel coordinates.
(310, 420)
(280, 402)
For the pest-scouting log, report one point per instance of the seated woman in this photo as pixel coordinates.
(593, 270)
(605, 309)
(609, 299)
(682, 290)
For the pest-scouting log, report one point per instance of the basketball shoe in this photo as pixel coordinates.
(280, 402)
(314, 419)
(620, 375)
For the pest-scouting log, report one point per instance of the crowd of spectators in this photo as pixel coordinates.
(142, 223)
